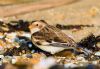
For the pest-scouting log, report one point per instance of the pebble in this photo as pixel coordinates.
(70, 65)
(33, 51)
(29, 55)
(81, 59)
(7, 59)
(1, 56)
(30, 45)
(13, 61)
(97, 53)
(94, 62)
(10, 37)
(1, 35)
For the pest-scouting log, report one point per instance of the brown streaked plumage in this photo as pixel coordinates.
(50, 38)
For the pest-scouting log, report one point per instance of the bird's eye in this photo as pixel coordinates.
(36, 24)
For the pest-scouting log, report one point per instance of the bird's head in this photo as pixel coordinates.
(36, 26)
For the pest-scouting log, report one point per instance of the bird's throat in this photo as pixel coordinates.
(35, 30)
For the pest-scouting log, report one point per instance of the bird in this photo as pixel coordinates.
(49, 38)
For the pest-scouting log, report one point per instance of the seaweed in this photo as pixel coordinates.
(90, 42)
(68, 27)
(19, 25)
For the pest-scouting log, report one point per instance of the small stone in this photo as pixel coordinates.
(7, 59)
(1, 56)
(82, 59)
(29, 56)
(30, 45)
(14, 60)
(95, 62)
(10, 37)
(33, 51)
(1, 35)
(70, 65)
(97, 53)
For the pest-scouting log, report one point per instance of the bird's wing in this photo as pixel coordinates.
(61, 36)
(57, 44)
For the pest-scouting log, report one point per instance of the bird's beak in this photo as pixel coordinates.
(33, 29)
(30, 28)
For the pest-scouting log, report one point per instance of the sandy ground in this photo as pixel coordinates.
(81, 12)
(8, 2)
(31, 6)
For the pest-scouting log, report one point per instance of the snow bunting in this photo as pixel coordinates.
(50, 38)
